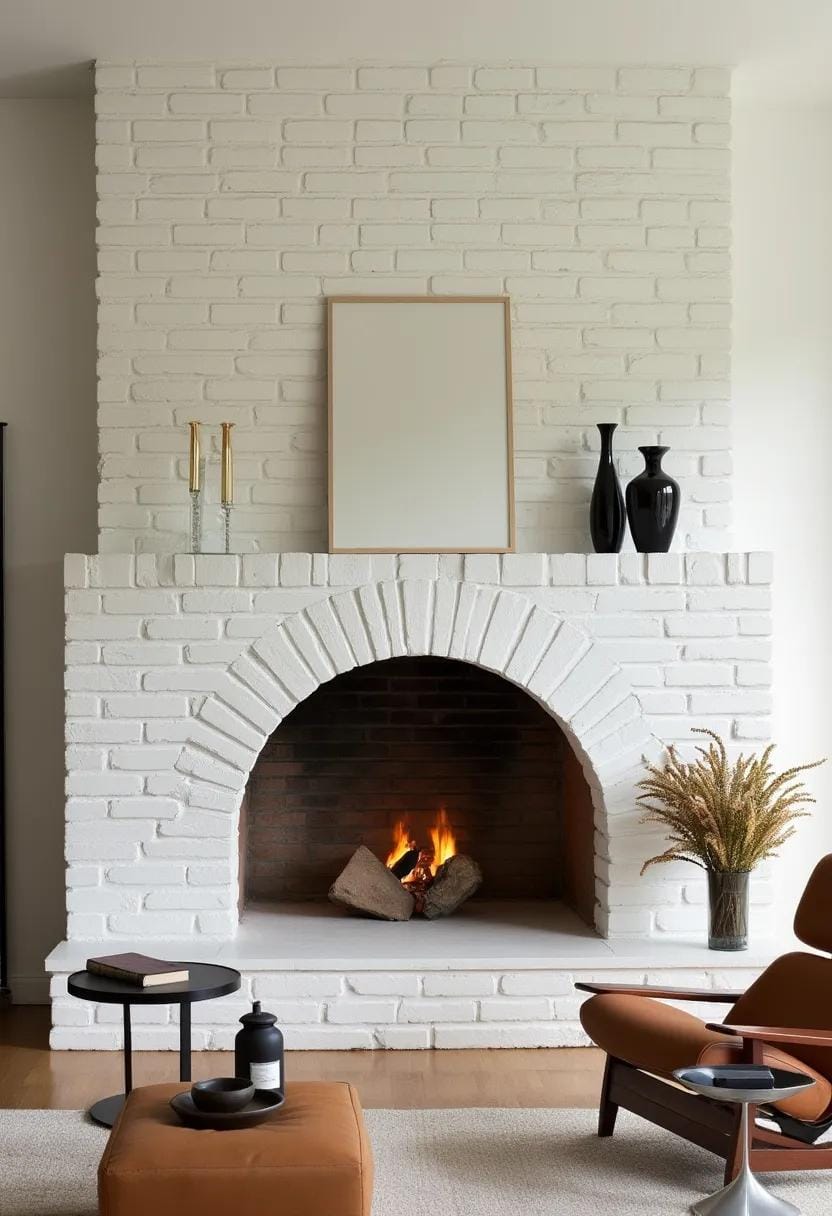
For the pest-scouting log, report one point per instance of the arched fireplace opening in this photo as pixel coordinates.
(388, 749)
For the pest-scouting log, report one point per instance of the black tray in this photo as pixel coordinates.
(264, 1103)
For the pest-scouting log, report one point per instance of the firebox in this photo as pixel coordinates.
(419, 753)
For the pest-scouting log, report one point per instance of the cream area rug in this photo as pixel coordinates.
(454, 1162)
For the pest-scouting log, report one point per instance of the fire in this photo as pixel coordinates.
(442, 838)
(401, 844)
(443, 841)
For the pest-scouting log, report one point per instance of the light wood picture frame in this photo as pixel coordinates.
(420, 424)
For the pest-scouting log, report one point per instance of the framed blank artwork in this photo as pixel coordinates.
(420, 427)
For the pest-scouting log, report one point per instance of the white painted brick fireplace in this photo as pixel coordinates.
(179, 668)
(233, 198)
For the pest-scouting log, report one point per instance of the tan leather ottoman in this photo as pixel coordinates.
(312, 1158)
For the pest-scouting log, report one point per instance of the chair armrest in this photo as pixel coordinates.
(777, 1034)
(669, 994)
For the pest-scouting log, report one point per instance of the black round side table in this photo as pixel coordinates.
(205, 981)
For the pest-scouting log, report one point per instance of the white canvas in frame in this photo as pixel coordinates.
(420, 433)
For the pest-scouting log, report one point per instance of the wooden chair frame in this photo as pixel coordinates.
(711, 1124)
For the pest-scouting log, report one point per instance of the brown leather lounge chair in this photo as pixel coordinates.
(783, 1020)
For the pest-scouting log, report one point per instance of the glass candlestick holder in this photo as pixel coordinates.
(196, 521)
(226, 528)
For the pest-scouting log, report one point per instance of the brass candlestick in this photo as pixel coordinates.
(227, 485)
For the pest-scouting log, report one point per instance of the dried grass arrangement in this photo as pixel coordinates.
(724, 816)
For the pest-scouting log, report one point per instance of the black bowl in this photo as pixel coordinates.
(222, 1094)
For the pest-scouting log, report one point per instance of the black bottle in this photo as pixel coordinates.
(606, 509)
(258, 1050)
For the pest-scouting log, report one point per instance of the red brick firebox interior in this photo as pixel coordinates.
(399, 740)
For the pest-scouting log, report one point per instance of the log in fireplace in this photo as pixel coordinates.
(429, 882)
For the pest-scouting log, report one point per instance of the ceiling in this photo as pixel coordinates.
(780, 48)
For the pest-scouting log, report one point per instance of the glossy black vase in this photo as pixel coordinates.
(653, 501)
(606, 509)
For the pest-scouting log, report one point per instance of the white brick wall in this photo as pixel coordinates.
(234, 198)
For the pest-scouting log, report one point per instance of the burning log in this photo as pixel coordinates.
(367, 885)
(456, 880)
(421, 878)
(405, 863)
(430, 881)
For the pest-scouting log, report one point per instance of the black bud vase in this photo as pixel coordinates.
(653, 501)
(606, 509)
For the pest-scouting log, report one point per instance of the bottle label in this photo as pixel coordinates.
(265, 1075)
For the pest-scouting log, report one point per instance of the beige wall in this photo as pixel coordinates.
(783, 425)
(47, 396)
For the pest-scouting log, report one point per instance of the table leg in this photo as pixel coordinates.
(128, 1050)
(185, 1041)
(107, 1110)
(745, 1196)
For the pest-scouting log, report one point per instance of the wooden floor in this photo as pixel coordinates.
(32, 1076)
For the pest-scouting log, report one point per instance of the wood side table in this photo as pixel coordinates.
(205, 981)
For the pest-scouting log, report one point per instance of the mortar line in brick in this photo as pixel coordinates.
(352, 597)
(359, 607)
(398, 593)
(340, 632)
(489, 618)
(198, 750)
(517, 636)
(235, 681)
(199, 717)
(457, 591)
(295, 652)
(267, 671)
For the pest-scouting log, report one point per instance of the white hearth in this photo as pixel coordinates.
(493, 976)
(179, 669)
